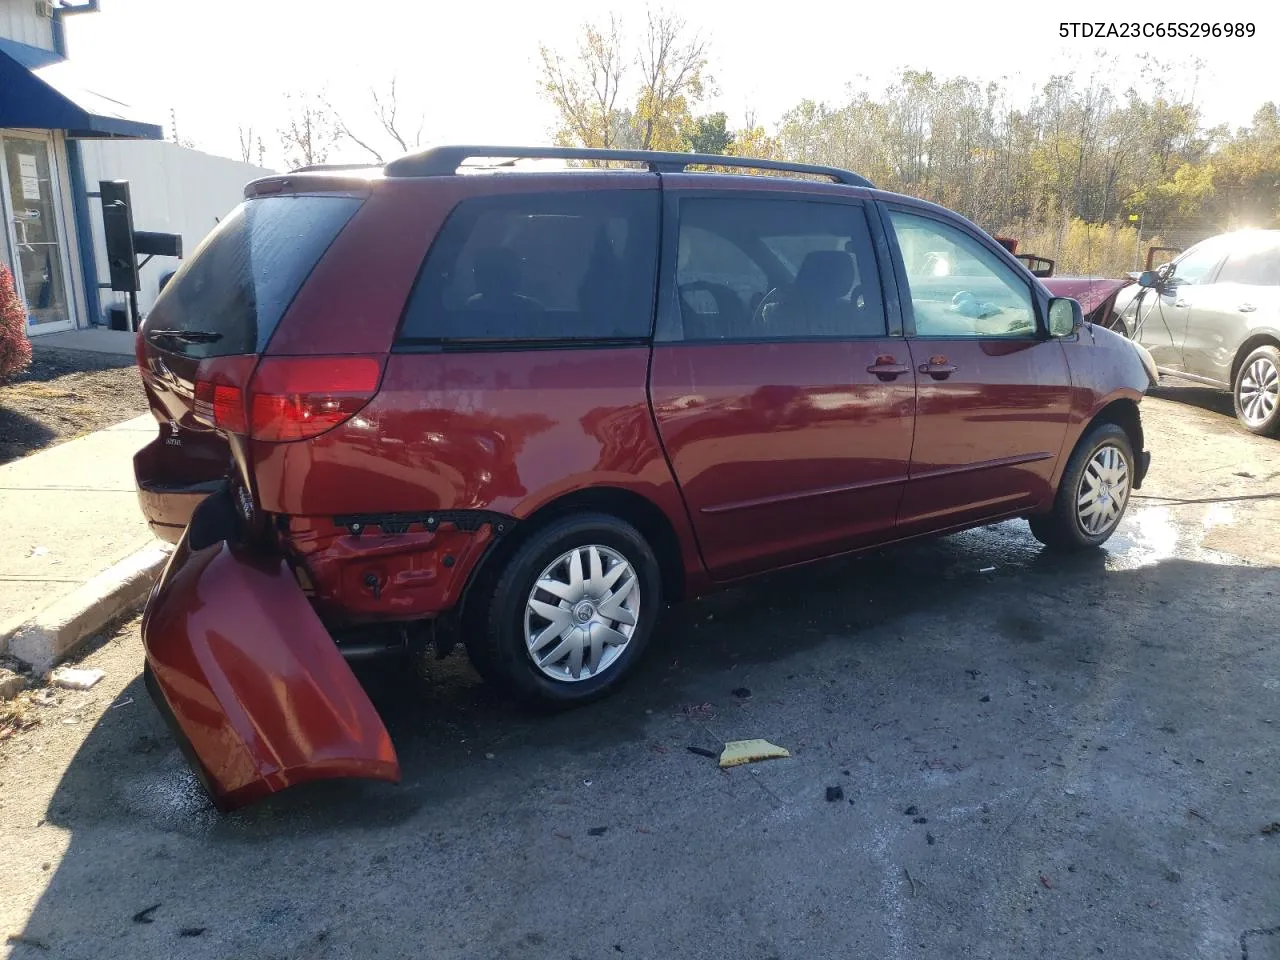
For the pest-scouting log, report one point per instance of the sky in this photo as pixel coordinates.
(470, 69)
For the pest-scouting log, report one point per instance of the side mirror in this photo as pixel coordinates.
(1149, 278)
(1065, 316)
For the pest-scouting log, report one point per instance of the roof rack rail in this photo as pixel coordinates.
(445, 161)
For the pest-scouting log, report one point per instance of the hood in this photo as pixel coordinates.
(1091, 292)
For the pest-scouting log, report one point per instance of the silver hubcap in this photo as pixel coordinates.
(1103, 492)
(1259, 391)
(581, 613)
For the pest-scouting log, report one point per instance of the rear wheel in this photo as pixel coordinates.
(570, 612)
(1257, 392)
(1093, 493)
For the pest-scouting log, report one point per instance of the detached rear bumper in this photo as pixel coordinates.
(254, 686)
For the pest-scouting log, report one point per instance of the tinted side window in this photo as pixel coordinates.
(557, 266)
(750, 269)
(959, 288)
(1260, 268)
(706, 258)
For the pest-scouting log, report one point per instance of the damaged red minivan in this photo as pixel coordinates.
(526, 410)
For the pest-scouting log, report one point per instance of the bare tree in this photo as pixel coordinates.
(252, 149)
(584, 89)
(387, 113)
(174, 136)
(310, 132)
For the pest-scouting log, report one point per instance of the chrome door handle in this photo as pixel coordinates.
(938, 367)
(1181, 303)
(1246, 308)
(888, 368)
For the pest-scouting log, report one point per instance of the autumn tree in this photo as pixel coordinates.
(608, 93)
(710, 134)
(1085, 171)
(673, 79)
(1246, 174)
(754, 141)
(584, 88)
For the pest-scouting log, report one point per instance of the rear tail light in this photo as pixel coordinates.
(295, 398)
(219, 397)
(288, 398)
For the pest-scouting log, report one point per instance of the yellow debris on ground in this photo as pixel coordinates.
(737, 752)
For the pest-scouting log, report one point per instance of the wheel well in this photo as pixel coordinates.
(635, 509)
(1246, 348)
(1124, 414)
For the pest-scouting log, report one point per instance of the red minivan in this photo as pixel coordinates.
(526, 410)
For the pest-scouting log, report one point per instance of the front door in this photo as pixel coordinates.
(784, 403)
(1244, 298)
(1164, 312)
(993, 392)
(32, 206)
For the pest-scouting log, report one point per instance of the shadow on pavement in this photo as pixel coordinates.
(21, 434)
(929, 676)
(1206, 398)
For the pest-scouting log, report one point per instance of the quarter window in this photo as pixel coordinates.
(530, 267)
(959, 288)
(751, 269)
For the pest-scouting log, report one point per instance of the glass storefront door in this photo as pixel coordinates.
(33, 208)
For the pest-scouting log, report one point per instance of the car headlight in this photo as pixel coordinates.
(1148, 362)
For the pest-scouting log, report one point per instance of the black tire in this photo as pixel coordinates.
(1062, 528)
(496, 639)
(1251, 412)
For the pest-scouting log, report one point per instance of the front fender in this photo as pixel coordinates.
(1106, 368)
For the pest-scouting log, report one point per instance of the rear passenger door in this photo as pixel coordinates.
(780, 381)
(993, 392)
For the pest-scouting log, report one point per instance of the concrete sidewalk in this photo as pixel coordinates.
(71, 515)
(91, 340)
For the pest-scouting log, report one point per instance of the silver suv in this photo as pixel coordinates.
(1212, 316)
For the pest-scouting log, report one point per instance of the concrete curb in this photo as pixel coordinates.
(59, 628)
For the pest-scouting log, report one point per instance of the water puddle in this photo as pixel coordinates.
(1146, 537)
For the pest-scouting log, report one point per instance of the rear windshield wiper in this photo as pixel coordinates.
(188, 336)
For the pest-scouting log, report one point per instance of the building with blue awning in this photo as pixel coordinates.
(60, 133)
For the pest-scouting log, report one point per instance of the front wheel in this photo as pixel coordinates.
(1093, 493)
(570, 612)
(1257, 392)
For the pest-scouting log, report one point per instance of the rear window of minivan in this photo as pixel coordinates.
(529, 267)
(229, 297)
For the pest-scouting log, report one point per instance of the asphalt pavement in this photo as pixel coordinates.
(1035, 756)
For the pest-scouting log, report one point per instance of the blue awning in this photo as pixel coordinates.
(41, 91)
